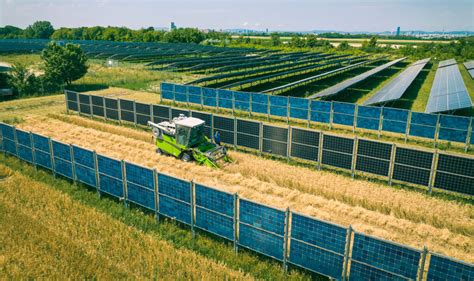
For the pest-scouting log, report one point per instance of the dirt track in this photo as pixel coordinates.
(398, 215)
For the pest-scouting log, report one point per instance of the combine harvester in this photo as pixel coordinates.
(184, 138)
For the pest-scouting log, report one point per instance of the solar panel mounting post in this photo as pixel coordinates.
(33, 150)
(347, 253)
(90, 106)
(421, 267)
(119, 111)
(96, 171)
(407, 128)
(469, 134)
(286, 238)
(392, 163)
(73, 164)
(157, 197)
(193, 207)
(434, 166)
(124, 183)
(51, 153)
(236, 222)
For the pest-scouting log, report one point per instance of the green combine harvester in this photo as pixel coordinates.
(184, 138)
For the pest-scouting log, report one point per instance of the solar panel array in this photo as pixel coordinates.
(469, 65)
(319, 246)
(448, 92)
(446, 63)
(352, 81)
(395, 88)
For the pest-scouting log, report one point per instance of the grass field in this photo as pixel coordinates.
(53, 229)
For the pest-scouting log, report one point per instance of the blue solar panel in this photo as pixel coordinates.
(9, 146)
(320, 111)
(181, 97)
(261, 241)
(167, 95)
(43, 159)
(452, 135)
(215, 200)
(175, 209)
(215, 223)
(453, 128)
(61, 150)
(139, 175)
(259, 103)
(41, 143)
(387, 256)
(23, 138)
(111, 185)
(63, 167)
(363, 272)
(442, 268)
(395, 120)
(25, 153)
(209, 97)
(225, 98)
(242, 101)
(174, 187)
(167, 87)
(140, 195)
(319, 233)
(8, 131)
(181, 89)
(299, 108)
(423, 125)
(109, 166)
(368, 117)
(83, 157)
(86, 175)
(279, 106)
(316, 259)
(262, 217)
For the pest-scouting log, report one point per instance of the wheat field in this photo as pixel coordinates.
(46, 234)
(402, 216)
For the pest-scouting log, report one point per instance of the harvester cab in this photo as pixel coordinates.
(184, 138)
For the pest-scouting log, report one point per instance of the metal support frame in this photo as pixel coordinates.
(236, 222)
(288, 143)
(90, 107)
(356, 113)
(96, 169)
(15, 139)
(119, 109)
(438, 125)
(347, 253)
(235, 132)
(355, 146)
(51, 153)
(320, 149)
(67, 102)
(157, 197)
(434, 166)
(331, 116)
(124, 184)
(392, 163)
(407, 129)
(286, 238)
(193, 206)
(469, 133)
(73, 164)
(134, 113)
(380, 123)
(78, 104)
(33, 150)
(421, 267)
(104, 105)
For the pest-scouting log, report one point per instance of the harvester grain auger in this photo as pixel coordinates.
(184, 138)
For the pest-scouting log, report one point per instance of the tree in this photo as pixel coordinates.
(297, 42)
(64, 64)
(184, 35)
(22, 80)
(39, 30)
(312, 41)
(343, 46)
(276, 41)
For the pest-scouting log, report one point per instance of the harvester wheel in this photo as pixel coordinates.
(186, 157)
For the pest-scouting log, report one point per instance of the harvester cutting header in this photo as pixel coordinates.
(184, 138)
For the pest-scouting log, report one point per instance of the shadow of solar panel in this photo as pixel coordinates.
(63, 167)
(361, 272)
(214, 200)
(61, 150)
(261, 241)
(72, 106)
(86, 175)
(387, 256)
(112, 114)
(322, 234)
(262, 217)
(25, 153)
(127, 116)
(167, 95)
(166, 87)
(84, 99)
(368, 117)
(215, 223)
(176, 112)
(411, 175)
(181, 89)
(97, 101)
(336, 159)
(338, 144)
(442, 268)
(141, 196)
(315, 259)
(175, 188)
(139, 175)
(83, 157)
(142, 108)
(23, 138)
(111, 103)
(111, 185)
(109, 166)
(98, 111)
(161, 111)
(175, 209)
(126, 105)
(43, 159)
(275, 133)
(8, 132)
(71, 96)
(84, 108)
(415, 158)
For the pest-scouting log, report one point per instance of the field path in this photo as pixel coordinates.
(403, 216)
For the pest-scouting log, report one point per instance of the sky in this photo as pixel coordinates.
(280, 15)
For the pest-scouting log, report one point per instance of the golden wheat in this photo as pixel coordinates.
(403, 216)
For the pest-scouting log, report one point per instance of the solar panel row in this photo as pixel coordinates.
(395, 88)
(349, 82)
(446, 63)
(448, 91)
(469, 64)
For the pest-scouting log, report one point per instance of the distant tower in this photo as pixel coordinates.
(398, 31)
(172, 26)
(267, 30)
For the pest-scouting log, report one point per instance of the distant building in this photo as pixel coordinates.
(267, 31)
(398, 31)
(172, 26)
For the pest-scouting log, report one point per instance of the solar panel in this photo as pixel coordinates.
(448, 91)
(446, 63)
(469, 64)
(471, 72)
(349, 82)
(395, 88)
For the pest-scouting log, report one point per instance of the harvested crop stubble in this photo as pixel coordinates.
(398, 215)
(46, 234)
